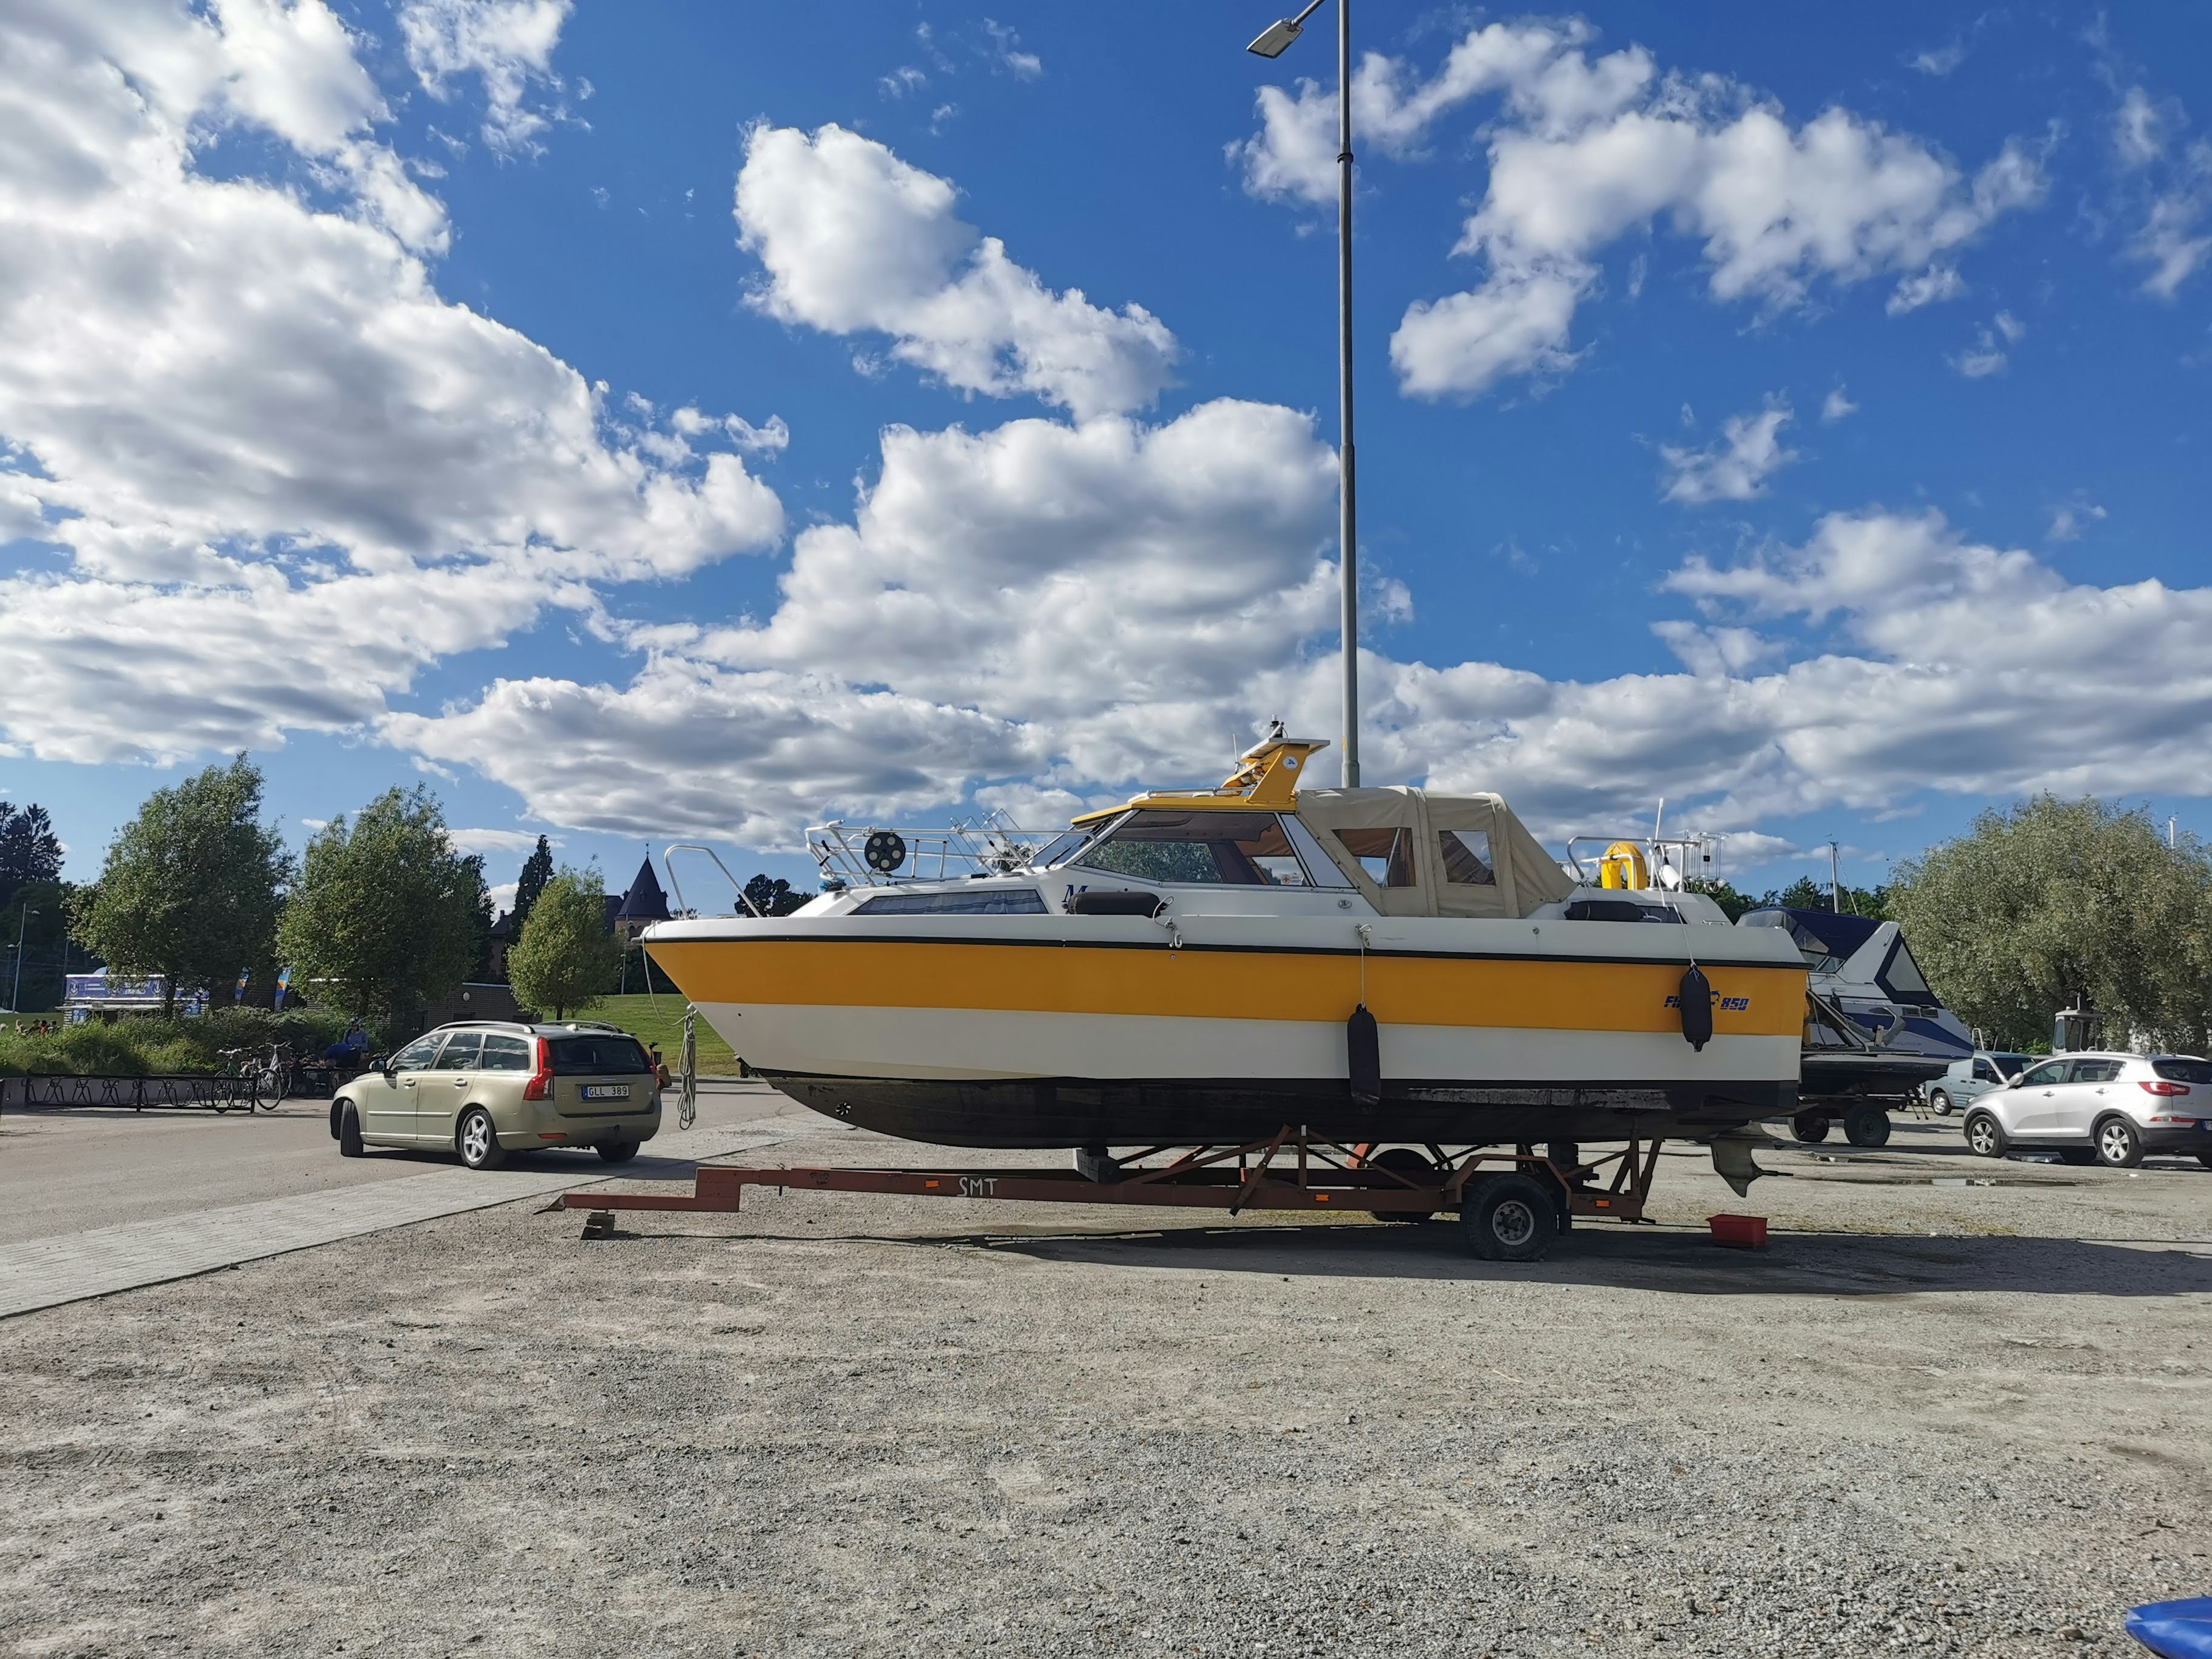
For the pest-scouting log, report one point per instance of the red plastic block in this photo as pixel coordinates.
(1740, 1233)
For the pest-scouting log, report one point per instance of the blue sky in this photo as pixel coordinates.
(656, 422)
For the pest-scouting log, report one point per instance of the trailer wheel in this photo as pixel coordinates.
(1509, 1217)
(1810, 1125)
(1404, 1161)
(1867, 1126)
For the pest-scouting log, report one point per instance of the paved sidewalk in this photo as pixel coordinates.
(46, 1272)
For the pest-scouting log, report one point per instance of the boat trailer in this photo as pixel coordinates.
(1512, 1205)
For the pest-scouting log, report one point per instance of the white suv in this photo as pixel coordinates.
(2099, 1109)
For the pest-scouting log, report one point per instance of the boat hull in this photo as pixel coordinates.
(1053, 1112)
(1089, 1031)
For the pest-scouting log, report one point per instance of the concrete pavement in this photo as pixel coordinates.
(175, 1179)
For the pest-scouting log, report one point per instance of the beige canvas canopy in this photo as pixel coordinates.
(1414, 853)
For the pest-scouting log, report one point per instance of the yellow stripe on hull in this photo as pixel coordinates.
(1409, 990)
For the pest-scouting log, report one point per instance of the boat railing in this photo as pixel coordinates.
(675, 889)
(876, 855)
(1690, 855)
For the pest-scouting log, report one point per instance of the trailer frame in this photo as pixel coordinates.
(1292, 1170)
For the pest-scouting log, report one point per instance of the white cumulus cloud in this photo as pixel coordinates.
(284, 474)
(1582, 151)
(856, 241)
(507, 44)
(1735, 468)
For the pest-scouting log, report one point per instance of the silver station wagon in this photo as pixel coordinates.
(483, 1088)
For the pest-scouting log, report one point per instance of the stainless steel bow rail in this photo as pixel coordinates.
(136, 1094)
(1293, 1170)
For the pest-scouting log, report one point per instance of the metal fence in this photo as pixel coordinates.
(137, 1094)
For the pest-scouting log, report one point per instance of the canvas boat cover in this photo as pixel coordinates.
(1415, 854)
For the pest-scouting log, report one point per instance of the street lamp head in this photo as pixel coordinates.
(1276, 39)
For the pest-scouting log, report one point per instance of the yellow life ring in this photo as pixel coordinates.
(1624, 866)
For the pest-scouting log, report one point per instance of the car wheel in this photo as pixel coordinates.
(2205, 1158)
(1811, 1126)
(477, 1141)
(1985, 1136)
(349, 1131)
(2119, 1147)
(617, 1152)
(1405, 1161)
(1509, 1217)
(1939, 1102)
(1867, 1126)
(2077, 1156)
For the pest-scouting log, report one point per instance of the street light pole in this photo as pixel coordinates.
(1272, 43)
(15, 994)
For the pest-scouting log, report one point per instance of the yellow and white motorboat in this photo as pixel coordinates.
(1209, 967)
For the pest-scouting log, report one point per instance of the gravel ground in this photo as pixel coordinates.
(1940, 1418)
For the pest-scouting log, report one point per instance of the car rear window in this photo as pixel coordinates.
(506, 1054)
(597, 1056)
(2183, 1071)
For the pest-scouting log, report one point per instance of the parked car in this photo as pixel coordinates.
(485, 1088)
(2108, 1109)
(1968, 1080)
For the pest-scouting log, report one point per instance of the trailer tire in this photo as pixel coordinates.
(1509, 1218)
(1810, 1127)
(1867, 1126)
(1404, 1161)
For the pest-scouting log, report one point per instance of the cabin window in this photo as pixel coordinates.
(1235, 849)
(1901, 977)
(1466, 858)
(973, 902)
(1322, 870)
(1387, 855)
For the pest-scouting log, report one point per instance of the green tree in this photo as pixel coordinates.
(2056, 898)
(30, 853)
(775, 897)
(566, 958)
(537, 870)
(191, 889)
(383, 918)
(1732, 903)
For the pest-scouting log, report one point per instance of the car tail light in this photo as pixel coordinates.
(2162, 1087)
(540, 1087)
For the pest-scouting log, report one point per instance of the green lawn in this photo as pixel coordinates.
(661, 1020)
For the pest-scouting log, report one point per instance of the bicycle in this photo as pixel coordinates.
(256, 1079)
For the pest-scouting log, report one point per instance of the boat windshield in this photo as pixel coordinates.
(1063, 846)
(1238, 849)
(1901, 977)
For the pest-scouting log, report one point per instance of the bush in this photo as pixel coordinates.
(150, 1047)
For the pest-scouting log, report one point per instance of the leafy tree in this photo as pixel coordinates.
(567, 956)
(47, 952)
(385, 912)
(191, 887)
(2055, 898)
(537, 870)
(1732, 903)
(773, 898)
(29, 852)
